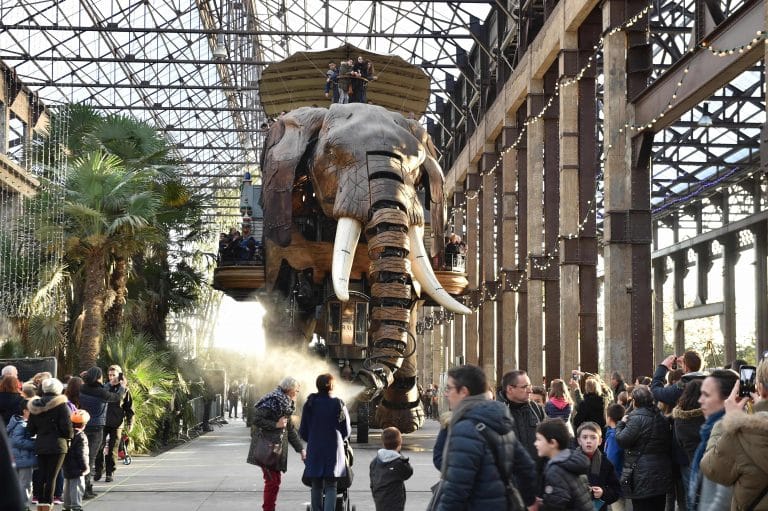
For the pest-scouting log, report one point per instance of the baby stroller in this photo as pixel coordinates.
(122, 449)
(342, 484)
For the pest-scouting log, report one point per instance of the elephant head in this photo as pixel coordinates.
(365, 164)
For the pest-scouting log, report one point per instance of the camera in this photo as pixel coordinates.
(746, 380)
(575, 377)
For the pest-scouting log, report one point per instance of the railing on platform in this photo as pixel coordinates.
(202, 418)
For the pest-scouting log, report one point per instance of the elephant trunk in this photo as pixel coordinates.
(391, 302)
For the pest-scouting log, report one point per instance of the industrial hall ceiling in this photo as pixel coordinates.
(193, 69)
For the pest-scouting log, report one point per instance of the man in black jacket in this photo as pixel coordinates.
(119, 415)
(94, 399)
(690, 363)
(516, 394)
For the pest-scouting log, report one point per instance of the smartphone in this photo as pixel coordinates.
(119, 376)
(746, 380)
(575, 377)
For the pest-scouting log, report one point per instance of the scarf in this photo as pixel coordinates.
(704, 433)
(462, 407)
(559, 402)
(278, 402)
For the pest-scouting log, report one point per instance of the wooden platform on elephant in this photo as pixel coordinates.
(318, 255)
(455, 283)
(241, 282)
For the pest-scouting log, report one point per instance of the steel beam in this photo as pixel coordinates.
(707, 73)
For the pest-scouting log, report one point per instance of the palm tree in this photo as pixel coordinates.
(107, 210)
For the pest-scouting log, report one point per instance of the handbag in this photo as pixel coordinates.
(436, 494)
(266, 449)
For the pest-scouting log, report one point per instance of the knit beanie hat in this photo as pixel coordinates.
(52, 386)
(92, 375)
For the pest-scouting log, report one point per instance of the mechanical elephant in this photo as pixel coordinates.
(365, 165)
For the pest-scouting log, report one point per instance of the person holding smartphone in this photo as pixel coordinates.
(739, 457)
(119, 417)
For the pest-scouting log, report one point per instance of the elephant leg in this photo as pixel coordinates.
(390, 365)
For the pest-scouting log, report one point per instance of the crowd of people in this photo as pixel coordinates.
(236, 247)
(683, 439)
(64, 433)
(347, 82)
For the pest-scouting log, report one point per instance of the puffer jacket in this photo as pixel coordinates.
(647, 440)
(49, 420)
(739, 458)
(566, 487)
(470, 477)
(265, 419)
(76, 460)
(22, 443)
(687, 424)
(94, 399)
(526, 417)
(388, 471)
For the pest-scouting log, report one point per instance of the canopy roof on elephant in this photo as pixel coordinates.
(299, 81)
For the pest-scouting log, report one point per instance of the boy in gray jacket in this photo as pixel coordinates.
(389, 471)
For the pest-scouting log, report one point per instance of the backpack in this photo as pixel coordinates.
(514, 499)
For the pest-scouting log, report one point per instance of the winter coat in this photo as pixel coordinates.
(388, 472)
(49, 420)
(669, 394)
(686, 425)
(9, 405)
(470, 476)
(558, 409)
(119, 411)
(526, 417)
(22, 443)
(265, 419)
(344, 80)
(602, 473)
(76, 460)
(739, 458)
(647, 440)
(613, 452)
(565, 484)
(324, 426)
(591, 408)
(94, 399)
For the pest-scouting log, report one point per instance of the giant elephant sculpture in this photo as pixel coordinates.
(362, 165)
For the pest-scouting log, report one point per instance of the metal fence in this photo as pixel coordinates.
(215, 411)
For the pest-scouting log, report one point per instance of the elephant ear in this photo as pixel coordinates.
(434, 181)
(286, 143)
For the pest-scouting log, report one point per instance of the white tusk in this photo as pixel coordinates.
(347, 235)
(423, 272)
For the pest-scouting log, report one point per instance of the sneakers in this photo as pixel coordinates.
(109, 479)
(57, 500)
(97, 476)
(34, 500)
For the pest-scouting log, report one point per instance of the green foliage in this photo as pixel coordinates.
(151, 382)
(11, 348)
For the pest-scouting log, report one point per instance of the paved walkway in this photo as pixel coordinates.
(210, 473)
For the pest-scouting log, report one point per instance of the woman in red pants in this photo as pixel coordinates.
(272, 414)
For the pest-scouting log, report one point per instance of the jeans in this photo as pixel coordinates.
(110, 440)
(25, 481)
(233, 406)
(94, 435)
(323, 494)
(73, 492)
(271, 487)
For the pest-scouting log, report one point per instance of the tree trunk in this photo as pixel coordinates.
(93, 310)
(119, 283)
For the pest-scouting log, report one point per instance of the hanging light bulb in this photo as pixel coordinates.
(705, 120)
(220, 51)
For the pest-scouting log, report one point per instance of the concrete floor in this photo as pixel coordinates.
(210, 474)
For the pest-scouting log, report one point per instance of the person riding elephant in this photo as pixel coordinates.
(365, 165)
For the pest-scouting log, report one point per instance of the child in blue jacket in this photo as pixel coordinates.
(23, 448)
